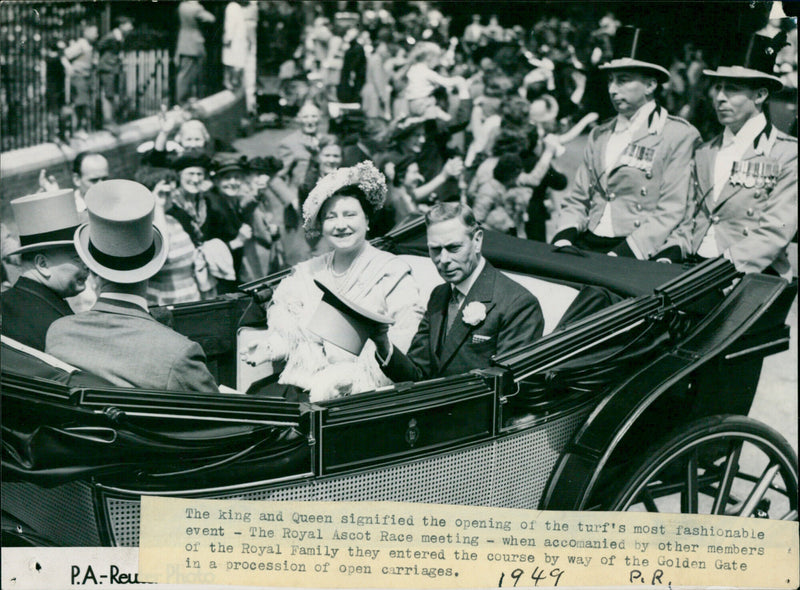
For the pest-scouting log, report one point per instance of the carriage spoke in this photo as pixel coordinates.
(689, 494)
(759, 490)
(648, 501)
(728, 475)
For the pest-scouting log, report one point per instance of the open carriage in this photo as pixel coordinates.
(635, 399)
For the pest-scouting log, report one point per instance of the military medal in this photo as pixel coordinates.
(638, 156)
(736, 174)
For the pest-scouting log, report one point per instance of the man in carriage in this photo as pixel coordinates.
(745, 180)
(632, 189)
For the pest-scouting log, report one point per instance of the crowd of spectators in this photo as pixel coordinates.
(479, 119)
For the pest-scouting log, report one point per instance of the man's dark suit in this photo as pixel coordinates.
(28, 309)
(513, 318)
(126, 346)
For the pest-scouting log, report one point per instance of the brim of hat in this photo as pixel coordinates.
(342, 322)
(740, 73)
(634, 64)
(351, 308)
(228, 168)
(39, 246)
(135, 275)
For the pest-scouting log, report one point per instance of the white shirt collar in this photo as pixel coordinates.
(135, 299)
(464, 286)
(624, 124)
(747, 134)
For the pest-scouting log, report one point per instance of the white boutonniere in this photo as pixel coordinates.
(474, 313)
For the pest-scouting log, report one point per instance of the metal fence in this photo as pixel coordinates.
(35, 102)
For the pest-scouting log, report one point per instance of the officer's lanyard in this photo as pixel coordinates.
(598, 185)
(703, 198)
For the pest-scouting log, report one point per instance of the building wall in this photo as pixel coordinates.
(19, 169)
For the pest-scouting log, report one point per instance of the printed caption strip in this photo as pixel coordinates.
(397, 545)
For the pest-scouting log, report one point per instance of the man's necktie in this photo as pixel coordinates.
(452, 308)
(453, 304)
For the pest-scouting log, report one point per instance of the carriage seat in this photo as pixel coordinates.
(554, 299)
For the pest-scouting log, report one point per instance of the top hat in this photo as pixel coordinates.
(45, 220)
(636, 49)
(751, 59)
(342, 322)
(120, 242)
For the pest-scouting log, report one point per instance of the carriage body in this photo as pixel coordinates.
(634, 352)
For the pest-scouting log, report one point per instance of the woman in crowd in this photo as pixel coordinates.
(493, 208)
(184, 272)
(376, 96)
(268, 254)
(190, 207)
(231, 205)
(326, 160)
(340, 208)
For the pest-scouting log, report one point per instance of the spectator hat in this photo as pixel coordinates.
(639, 50)
(269, 165)
(227, 162)
(544, 109)
(404, 130)
(343, 322)
(751, 59)
(120, 242)
(45, 220)
(191, 159)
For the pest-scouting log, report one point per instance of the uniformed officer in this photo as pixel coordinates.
(632, 188)
(745, 186)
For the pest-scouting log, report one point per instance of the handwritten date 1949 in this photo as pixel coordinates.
(537, 575)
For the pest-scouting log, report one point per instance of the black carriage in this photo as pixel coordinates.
(635, 399)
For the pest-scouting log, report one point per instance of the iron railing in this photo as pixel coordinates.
(35, 102)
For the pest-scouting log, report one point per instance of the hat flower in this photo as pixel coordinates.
(364, 175)
(474, 313)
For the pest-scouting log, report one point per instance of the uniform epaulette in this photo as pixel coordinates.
(786, 137)
(679, 120)
(600, 126)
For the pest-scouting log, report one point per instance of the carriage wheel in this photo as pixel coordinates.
(727, 465)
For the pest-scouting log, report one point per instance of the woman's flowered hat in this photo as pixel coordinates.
(364, 175)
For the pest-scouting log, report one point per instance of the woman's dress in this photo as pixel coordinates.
(175, 282)
(376, 280)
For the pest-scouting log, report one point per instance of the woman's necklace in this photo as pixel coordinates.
(340, 275)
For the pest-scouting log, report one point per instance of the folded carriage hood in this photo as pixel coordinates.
(624, 276)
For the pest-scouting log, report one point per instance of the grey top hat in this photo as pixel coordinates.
(343, 322)
(120, 242)
(637, 49)
(751, 59)
(45, 220)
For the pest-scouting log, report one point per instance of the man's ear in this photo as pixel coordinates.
(761, 96)
(76, 180)
(478, 238)
(42, 264)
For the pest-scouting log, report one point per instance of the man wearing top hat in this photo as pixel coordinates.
(118, 339)
(632, 188)
(51, 269)
(745, 180)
